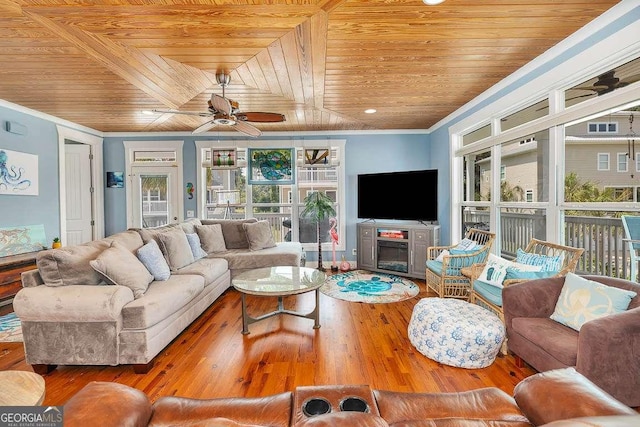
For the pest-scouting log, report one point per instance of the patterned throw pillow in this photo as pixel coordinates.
(151, 256)
(196, 249)
(548, 263)
(495, 270)
(582, 300)
(467, 245)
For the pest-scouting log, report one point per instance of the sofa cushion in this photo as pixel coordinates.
(556, 339)
(209, 268)
(151, 256)
(259, 235)
(175, 247)
(284, 253)
(70, 265)
(582, 300)
(121, 267)
(189, 226)
(161, 300)
(148, 234)
(211, 238)
(234, 235)
(129, 239)
(196, 249)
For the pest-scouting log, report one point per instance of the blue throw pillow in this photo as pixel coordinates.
(582, 300)
(196, 249)
(151, 256)
(547, 262)
(515, 274)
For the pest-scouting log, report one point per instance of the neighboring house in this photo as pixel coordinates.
(598, 151)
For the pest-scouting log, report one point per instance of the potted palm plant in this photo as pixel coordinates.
(318, 207)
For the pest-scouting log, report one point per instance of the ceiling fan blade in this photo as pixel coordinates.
(256, 116)
(246, 128)
(188, 113)
(220, 104)
(204, 127)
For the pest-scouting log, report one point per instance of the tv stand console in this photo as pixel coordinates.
(395, 248)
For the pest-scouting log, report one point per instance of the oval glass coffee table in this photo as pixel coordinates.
(279, 282)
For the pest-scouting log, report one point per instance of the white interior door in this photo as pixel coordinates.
(155, 196)
(79, 194)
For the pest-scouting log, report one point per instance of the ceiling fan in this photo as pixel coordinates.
(607, 82)
(226, 112)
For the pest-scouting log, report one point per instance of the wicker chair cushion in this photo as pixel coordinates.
(491, 293)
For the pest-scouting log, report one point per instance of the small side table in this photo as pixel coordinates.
(21, 388)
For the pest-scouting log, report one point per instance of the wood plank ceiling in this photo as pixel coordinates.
(321, 63)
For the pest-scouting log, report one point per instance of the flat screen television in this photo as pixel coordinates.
(406, 195)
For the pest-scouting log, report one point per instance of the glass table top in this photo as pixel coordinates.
(278, 281)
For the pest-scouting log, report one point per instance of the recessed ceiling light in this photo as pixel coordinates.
(432, 2)
(370, 110)
(148, 112)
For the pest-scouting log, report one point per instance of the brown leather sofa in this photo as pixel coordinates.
(606, 350)
(555, 398)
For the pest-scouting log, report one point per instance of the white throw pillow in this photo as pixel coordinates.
(467, 245)
(443, 254)
(495, 270)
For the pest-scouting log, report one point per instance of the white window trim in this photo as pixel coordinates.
(608, 168)
(618, 48)
(626, 162)
(131, 146)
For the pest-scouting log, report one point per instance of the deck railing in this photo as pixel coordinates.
(601, 238)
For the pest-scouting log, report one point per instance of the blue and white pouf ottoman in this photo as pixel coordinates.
(455, 332)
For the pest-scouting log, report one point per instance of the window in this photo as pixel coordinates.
(622, 194)
(529, 196)
(602, 127)
(225, 191)
(637, 162)
(503, 173)
(622, 162)
(603, 161)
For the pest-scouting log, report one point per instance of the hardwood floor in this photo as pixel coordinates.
(356, 344)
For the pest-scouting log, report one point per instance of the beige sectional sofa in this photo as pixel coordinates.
(103, 303)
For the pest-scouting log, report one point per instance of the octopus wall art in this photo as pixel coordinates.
(17, 172)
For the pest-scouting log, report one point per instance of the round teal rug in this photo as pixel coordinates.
(365, 286)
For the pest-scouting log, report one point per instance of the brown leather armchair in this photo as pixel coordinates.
(605, 350)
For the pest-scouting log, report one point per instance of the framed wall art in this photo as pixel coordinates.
(18, 173)
(115, 179)
(225, 158)
(271, 166)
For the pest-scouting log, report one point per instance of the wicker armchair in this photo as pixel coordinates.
(445, 278)
(493, 301)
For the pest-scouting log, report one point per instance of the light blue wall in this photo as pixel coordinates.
(363, 154)
(41, 138)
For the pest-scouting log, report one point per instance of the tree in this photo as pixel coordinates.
(576, 191)
(318, 207)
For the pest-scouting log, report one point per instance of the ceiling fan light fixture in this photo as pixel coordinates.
(224, 121)
(432, 2)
